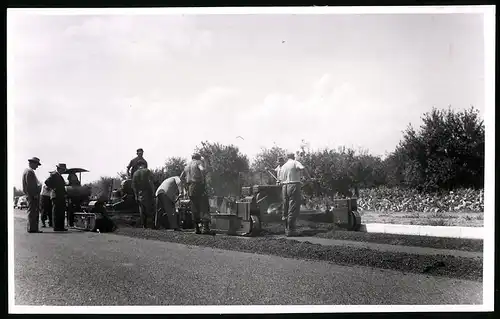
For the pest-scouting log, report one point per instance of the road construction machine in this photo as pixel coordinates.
(86, 214)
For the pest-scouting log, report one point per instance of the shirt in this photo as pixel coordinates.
(31, 185)
(290, 172)
(142, 180)
(193, 171)
(46, 191)
(56, 183)
(171, 187)
(134, 163)
(277, 170)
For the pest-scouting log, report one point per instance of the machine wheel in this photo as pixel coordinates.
(355, 224)
(255, 226)
(92, 224)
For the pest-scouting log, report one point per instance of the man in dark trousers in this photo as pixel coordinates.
(144, 191)
(194, 174)
(32, 188)
(58, 195)
(290, 178)
(134, 163)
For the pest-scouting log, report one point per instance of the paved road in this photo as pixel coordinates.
(83, 269)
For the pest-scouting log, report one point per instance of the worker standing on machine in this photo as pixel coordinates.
(144, 190)
(194, 172)
(291, 192)
(134, 163)
(167, 195)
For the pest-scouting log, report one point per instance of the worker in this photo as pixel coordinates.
(167, 194)
(194, 174)
(32, 188)
(134, 163)
(144, 190)
(58, 196)
(46, 206)
(74, 203)
(291, 192)
(281, 161)
(73, 180)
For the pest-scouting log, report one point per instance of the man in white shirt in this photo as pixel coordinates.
(46, 206)
(289, 175)
(167, 195)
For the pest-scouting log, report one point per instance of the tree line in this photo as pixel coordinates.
(446, 152)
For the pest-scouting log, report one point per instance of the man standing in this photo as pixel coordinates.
(291, 192)
(194, 172)
(46, 206)
(32, 188)
(281, 161)
(58, 197)
(144, 190)
(134, 163)
(167, 195)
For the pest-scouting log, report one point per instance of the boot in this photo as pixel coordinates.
(205, 230)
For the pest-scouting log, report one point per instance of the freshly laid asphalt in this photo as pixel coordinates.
(83, 269)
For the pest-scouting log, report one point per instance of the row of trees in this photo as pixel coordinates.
(445, 153)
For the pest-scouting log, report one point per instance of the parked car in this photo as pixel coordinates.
(22, 202)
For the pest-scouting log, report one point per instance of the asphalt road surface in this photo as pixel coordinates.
(84, 269)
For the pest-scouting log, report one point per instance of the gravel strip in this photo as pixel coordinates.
(323, 230)
(329, 231)
(448, 266)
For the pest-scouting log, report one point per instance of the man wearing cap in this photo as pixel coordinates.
(291, 192)
(144, 190)
(32, 188)
(194, 173)
(58, 195)
(167, 195)
(134, 163)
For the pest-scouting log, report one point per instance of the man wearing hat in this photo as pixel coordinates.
(32, 188)
(58, 195)
(194, 173)
(134, 163)
(144, 191)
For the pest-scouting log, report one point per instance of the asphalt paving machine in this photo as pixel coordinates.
(87, 215)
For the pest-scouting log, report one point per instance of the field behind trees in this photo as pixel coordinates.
(435, 175)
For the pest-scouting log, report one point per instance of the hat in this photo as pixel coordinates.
(196, 156)
(61, 165)
(140, 150)
(35, 160)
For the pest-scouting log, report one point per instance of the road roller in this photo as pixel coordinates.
(82, 213)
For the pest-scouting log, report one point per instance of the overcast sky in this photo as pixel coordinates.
(89, 90)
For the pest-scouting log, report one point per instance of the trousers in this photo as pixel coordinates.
(58, 212)
(200, 205)
(33, 213)
(145, 201)
(165, 211)
(46, 209)
(291, 203)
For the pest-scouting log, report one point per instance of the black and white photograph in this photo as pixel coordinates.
(251, 160)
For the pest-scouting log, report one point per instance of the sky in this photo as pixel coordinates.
(89, 90)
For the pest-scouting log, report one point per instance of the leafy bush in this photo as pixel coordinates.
(225, 163)
(446, 153)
